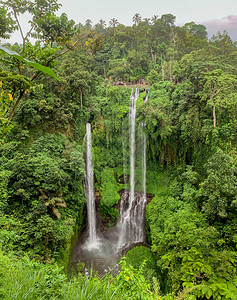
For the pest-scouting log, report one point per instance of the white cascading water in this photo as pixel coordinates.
(142, 203)
(132, 207)
(144, 163)
(132, 130)
(92, 241)
(125, 150)
(146, 98)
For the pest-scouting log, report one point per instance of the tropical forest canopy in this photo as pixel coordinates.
(77, 73)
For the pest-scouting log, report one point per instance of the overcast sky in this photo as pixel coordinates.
(215, 14)
(123, 10)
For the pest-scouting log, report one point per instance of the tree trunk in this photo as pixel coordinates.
(171, 70)
(214, 116)
(153, 55)
(81, 97)
(163, 72)
(14, 107)
(104, 72)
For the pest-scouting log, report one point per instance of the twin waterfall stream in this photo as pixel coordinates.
(131, 224)
(130, 228)
(92, 241)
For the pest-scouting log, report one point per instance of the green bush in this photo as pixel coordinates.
(24, 279)
(109, 195)
(140, 255)
(41, 196)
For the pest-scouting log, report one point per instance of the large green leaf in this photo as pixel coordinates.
(35, 65)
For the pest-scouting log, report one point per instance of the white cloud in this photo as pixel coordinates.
(228, 23)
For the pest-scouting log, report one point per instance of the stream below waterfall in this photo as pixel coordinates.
(102, 259)
(105, 256)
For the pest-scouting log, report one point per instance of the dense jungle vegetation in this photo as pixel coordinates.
(79, 73)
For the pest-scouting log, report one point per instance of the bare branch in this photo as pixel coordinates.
(14, 107)
(18, 23)
(33, 26)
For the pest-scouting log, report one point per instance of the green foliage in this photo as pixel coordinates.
(153, 77)
(40, 191)
(4, 179)
(110, 108)
(29, 280)
(190, 113)
(10, 85)
(196, 29)
(157, 180)
(24, 279)
(133, 282)
(35, 65)
(214, 276)
(52, 28)
(188, 249)
(141, 255)
(137, 255)
(173, 226)
(7, 24)
(119, 70)
(220, 186)
(109, 195)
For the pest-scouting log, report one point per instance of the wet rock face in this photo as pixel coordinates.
(129, 247)
(97, 199)
(124, 195)
(132, 218)
(124, 202)
(124, 179)
(149, 197)
(125, 199)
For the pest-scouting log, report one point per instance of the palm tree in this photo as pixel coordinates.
(137, 19)
(113, 22)
(79, 26)
(146, 21)
(102, 23)
(88, 23)
(154, 19)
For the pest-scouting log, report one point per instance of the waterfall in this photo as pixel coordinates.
(125, 139)
(144, 163)
(144, 152)
(146, 98)
(142, 203)
(132, 207)
(92, 241)
(132, 127)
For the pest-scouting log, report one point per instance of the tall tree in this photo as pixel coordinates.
(7, 24)
(220, 91)
(154, 19)
(88, 24)
(146, 21)
(168, 19)
(196, 29)
(102, 23)
(113, 23)
(45, 25)
(136, 18)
